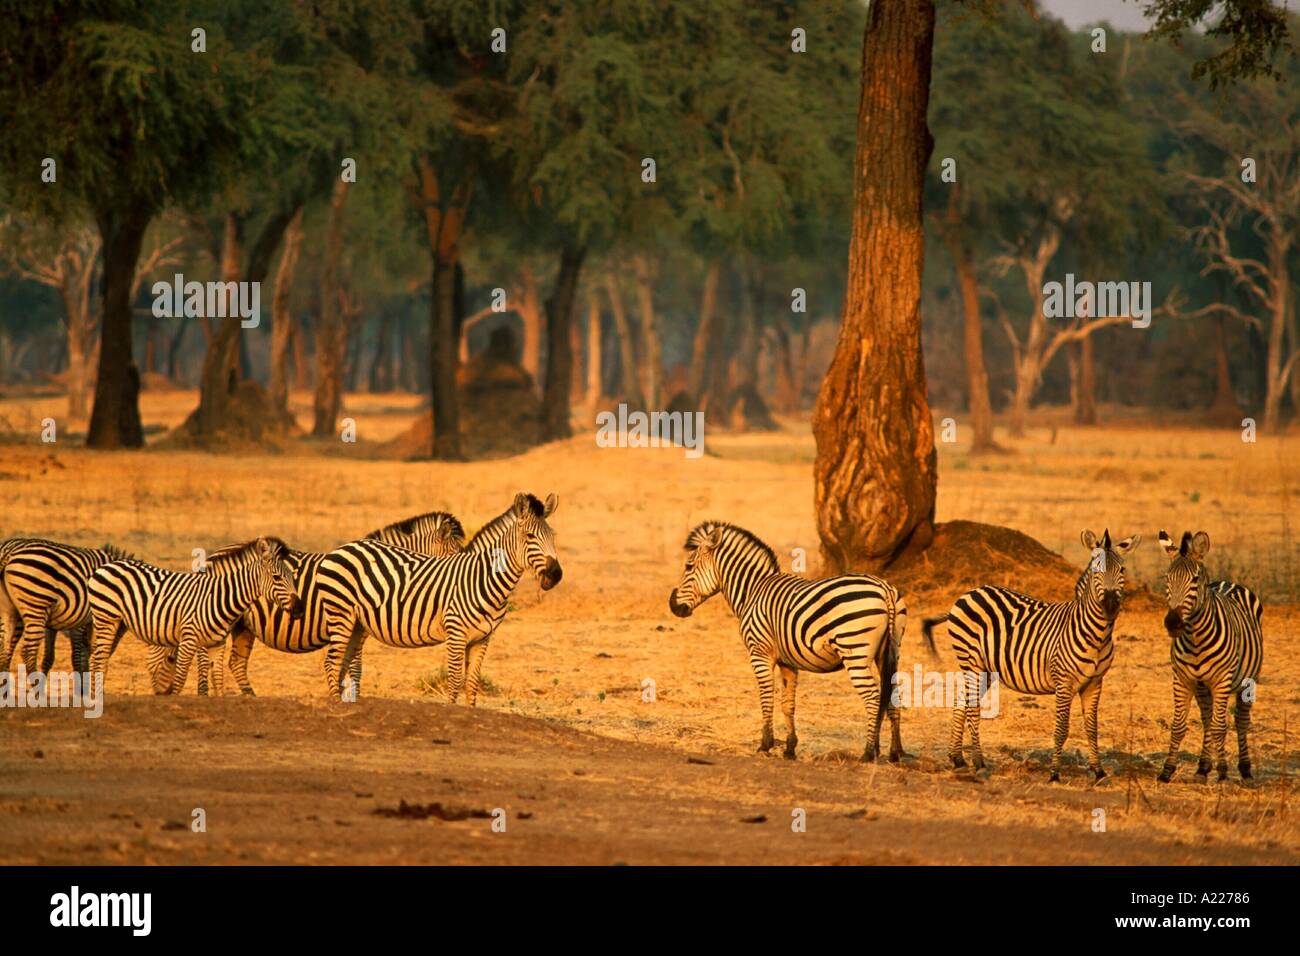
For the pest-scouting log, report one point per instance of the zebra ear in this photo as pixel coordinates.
(1128, 544)
(264, 548)
(714, 538)
(552, 502)
(1200, 545)
(1089, 540)
(520, 507)
(1167, 543)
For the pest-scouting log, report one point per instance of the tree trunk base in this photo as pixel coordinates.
(247, 417)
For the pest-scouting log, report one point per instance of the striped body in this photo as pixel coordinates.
(371, 589)
(1216, 653)
(1036, 647)
(43, 588)
(185, 612)
(435, 534)
(788, 624)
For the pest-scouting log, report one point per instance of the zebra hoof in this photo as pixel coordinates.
(1054, 778)
(248, 692)
(1166, 774)
(1202, 776)
(1203, 768)
(1243, 768)
(1099, 775)
(1222, 771)
(895, 757)
(788, 753)
(958, 761)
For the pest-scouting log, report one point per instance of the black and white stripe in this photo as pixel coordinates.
(1217, 653)
(371, 589)
(436, 534)
(187, 611)
(43, 591)
(1035, 647)
(789, 624)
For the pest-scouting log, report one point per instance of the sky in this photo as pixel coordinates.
(1121, 14)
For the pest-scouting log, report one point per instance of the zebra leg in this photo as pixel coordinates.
(106, 635)
(241, 647)
(956, 734)
(1219, 721)
(161, 667)
(888, 667)
(341, 627)
(35, 634)
(47, 659)
(474, 668)
(1177, 729)
(13, 630)
(1091, 695)
(354, 675)
(1242, 719)
(205, 671)
(185, 654)
(80, 649)
(456, 653)
(1205, 704)
(1064, 698)
(349, 687)
(214, 662)
(766, 695)
(789, 683)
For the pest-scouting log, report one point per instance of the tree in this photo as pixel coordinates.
(162, 124)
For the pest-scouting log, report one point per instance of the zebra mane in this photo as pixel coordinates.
(235, 553)
(411, 526)
(702, 530)
(115, 553)
(494, 529)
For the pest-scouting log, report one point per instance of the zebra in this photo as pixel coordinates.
(435, 534)
(1216, 653)
(43, 589)
(789, 624)
(404, 599)
(186, 611)
(1035, 647)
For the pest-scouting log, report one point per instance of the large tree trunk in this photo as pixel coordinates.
(282, 331)
(115, 415)
(705, 335)
(1224, 409)
(876, 464)
(444, 222)
(331, 331)
(652, 372)
(559, 361)
(626, 344)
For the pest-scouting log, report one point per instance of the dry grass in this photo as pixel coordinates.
(579, 656)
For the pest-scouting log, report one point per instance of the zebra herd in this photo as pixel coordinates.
(856, 622)
(418, 582)
(410, 584)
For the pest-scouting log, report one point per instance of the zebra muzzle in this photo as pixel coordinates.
(1173, 622)
(297, 609)
(551, 576)
(680, 610)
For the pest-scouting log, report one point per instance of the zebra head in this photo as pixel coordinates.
(1186, 582)
(273, 575)
(537, 538)
(1103, 581)
(436, 534)
(700, 577)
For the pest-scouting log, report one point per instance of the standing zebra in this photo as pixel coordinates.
(1034, 647)
(1217, 652)
(188, 611)
(789, 624)
(435, 534)
(43, 586)
(371, 589)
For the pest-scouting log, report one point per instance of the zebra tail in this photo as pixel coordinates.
(927, 631)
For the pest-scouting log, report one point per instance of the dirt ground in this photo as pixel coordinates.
(582, 766)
